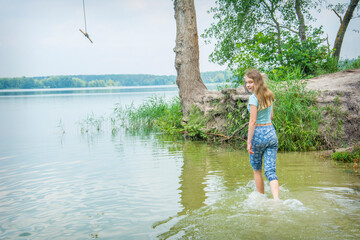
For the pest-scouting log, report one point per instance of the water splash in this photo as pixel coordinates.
(238, 212)
(257, 201)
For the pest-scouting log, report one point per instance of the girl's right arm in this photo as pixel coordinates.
(252, 125)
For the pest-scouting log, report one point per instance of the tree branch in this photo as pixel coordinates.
(238, 130)
(341, 20)
(292, 30)
(267, 6)
(226, 138)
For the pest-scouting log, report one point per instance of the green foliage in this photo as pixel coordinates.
(347, 156)
(285, 74)
(154, 113)
(349, 64)
(158, 114)
(307, 57)
(142, 116)
(296, 117)
(310, 55)
(265, 35)
(342, 156)
(170, 121)
(195, 127)
(236, 118)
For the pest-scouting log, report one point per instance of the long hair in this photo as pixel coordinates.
(263, 94)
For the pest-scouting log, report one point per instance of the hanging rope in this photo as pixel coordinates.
(85, 33)
(84, 15)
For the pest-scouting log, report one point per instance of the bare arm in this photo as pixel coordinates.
(272, 112)
(252, 124)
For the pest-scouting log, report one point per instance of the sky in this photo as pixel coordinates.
(42, 37)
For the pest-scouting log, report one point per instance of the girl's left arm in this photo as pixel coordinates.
(272, 112)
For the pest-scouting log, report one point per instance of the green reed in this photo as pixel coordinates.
(154, 113)
(91, 123)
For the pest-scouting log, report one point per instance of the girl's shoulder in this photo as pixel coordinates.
(253, 96)
(253, 99)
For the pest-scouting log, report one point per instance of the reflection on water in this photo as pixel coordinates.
(223, 204)
(142, 185)
(87, 91)
(220, 202)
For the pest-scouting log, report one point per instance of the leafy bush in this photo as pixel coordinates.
(310, 55)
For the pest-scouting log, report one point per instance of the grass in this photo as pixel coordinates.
(154, 113)
(347, 156)
(296, 116)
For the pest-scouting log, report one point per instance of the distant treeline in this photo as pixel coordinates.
(115, 80)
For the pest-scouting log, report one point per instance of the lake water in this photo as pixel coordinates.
(57, 183)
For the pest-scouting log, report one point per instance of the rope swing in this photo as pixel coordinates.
(85, 33)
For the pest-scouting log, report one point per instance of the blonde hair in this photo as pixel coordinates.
(263, 94)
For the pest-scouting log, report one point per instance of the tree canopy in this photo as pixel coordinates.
(268, 34)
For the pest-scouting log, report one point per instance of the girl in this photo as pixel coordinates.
(262, 140)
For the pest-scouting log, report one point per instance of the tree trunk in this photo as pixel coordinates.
(278, 29)
(302, 32)
(191, 87)
(343, 26)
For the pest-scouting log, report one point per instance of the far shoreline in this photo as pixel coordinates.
(97, 88)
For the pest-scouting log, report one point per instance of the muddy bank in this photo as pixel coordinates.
(341, 93)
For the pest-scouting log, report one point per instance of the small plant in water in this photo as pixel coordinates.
(61, 127)
(91, 123)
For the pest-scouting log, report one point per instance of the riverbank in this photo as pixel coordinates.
(340, 94)
(316, 114)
